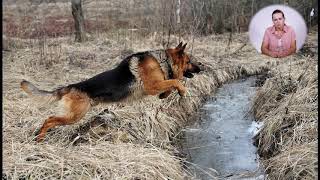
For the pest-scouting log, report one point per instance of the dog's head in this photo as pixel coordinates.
(182, 65)
(193, 67)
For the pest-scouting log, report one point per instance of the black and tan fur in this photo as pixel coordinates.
(145, 73)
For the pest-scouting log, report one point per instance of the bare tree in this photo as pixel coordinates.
(77, 14)
(178, 11)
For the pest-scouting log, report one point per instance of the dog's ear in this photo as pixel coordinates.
(181, 49)
(179, 46)
(184, 47)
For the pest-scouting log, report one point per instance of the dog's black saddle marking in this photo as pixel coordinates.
(109, 86)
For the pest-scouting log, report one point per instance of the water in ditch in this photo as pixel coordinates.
(220, 145)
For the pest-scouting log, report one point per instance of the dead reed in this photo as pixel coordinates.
(288, 105)
(127, 140)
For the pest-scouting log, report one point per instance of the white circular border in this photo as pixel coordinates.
(263, 19)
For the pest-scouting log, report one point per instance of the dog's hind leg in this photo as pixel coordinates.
(76, 105)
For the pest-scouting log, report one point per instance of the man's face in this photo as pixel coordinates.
(278, 20)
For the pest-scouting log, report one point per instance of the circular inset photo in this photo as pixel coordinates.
(277, 31)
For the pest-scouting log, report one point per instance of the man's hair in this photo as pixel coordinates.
(277, 11)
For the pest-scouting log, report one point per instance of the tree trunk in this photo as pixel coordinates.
(252, 2)
(79, 20)
(178, 12)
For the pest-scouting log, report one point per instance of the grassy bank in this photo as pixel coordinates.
(288, 105)
(113, 141)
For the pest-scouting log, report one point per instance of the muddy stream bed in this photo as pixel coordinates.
(220, 145)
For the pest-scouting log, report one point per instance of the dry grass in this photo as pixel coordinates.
(118, 141)
(288, 105)
(125, 140)
(296, 162)
(28, 19)
(101, 161)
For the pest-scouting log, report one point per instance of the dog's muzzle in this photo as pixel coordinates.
(188, 74)
(194, 69)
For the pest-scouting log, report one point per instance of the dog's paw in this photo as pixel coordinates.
(182, 92)
(38, 136)
(40, 139)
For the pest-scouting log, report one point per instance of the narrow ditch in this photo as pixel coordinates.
(220, 145)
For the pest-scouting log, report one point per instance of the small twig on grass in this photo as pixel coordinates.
(235, 52)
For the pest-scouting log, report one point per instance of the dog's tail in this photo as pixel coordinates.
(42, 95)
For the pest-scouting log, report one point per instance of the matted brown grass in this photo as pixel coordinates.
(113, 141)
(288, 105)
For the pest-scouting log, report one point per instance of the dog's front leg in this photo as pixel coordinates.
(165, 86)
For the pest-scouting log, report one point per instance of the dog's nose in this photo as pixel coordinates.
(197, 69)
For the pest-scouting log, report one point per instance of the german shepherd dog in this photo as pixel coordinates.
(146, 73)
